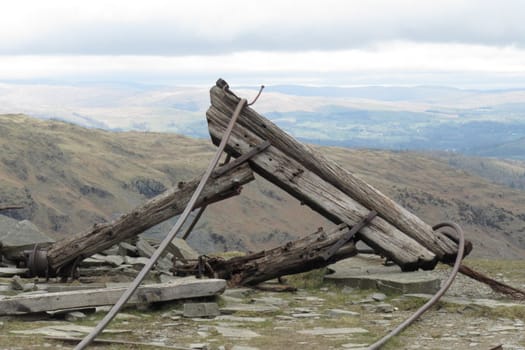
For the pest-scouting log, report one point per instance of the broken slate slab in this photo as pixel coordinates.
(238, 292)
(67, 330)
(183, 288)
(333, 331)
(16, 235)
(99, 259)
(378, 296)
(145, 249)
(18, 283)
(232, 332)
(342, 313)
(182, 250)
(384, 308)
(192, 310)
(271, 301)
(135, 261)
(249, 308)
(368, 272)
(241, 319)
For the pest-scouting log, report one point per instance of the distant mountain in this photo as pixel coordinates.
(381, 93)
(514, 149)
(475, 122)
(508, 172)
(69, 177)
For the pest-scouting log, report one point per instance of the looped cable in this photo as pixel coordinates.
(234, 98)
(257, 97)
(378, 344)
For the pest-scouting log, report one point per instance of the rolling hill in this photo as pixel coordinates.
(69, 177)
(474, 122)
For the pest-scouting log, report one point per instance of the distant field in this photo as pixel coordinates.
(475, 122)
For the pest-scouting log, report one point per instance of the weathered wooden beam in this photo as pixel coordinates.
(371, 198)
(183, 288)
(127, 343)
(301, 255)
(166, 205)
(321, 196)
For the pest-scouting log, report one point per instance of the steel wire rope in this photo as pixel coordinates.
(378, 344)
(172, 233)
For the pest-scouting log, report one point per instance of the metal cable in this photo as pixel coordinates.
(378, 344)
(257, 97)
(173, 232)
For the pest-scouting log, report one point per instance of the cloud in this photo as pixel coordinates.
(392, 63)
(162, 27)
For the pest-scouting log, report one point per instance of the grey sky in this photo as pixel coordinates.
(417, 38)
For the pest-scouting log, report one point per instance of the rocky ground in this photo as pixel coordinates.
(320, 315)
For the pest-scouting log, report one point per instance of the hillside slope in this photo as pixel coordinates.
(69, 178)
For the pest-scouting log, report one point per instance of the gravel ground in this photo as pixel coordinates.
(464, 286)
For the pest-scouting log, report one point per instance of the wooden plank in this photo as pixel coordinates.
(301, 255)
(132, 344)
(321, 196)
(183, 288)
(12, 271)
(341, 178)
(166, 205)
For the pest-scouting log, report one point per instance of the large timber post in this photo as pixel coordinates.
(327, 187)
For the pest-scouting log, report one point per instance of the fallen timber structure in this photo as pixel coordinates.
(306, 174)
(361, 212)
(175, 290)
(62, 257)
(328, 188)
(314, 251)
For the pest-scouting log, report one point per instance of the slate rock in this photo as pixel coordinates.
(384, 308)
(342, 313)
(192, 310)
(249, 308)
(18, 283)
(241, 319)
(231, 332)
(271, 301)
(378, 296)
(183, 250)
(74, 316)
(333, 331)
(14, 233)
(238, 292)
(136, 261)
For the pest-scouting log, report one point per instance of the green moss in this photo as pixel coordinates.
(310, 280)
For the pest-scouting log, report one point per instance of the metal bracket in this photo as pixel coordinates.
(36, 261)
(241, 159)
(330, 251)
